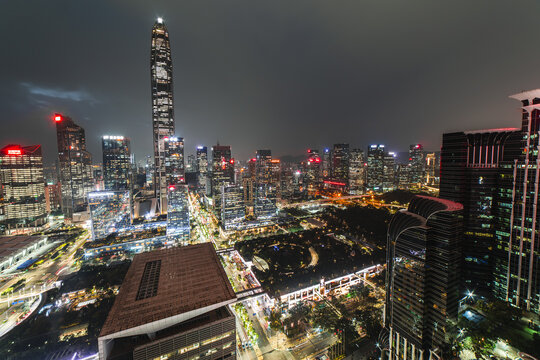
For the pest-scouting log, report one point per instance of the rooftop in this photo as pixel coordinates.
(11, 244)
(526, 95)
(174, 284)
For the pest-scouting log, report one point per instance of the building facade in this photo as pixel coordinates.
(22, 191)
(75, 165)
(233, 209)
(202, 169)
(357, 172)
(422, 286)
(178, 223)
(496, 173)
(222, 174)
(161, 70)
(116, 162)
(340, 163)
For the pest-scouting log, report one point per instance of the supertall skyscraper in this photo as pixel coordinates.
(162, 104)
(116, 162)
(75, 165)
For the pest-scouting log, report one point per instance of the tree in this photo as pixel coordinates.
(275, 320)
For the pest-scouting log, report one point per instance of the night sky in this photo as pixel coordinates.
(284, 75)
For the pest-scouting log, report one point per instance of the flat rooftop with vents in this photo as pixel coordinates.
(163, 289)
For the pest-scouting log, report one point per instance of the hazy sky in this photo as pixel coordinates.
(284, 75)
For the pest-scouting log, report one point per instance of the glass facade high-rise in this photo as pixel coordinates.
(263, 167)
(178, 223)
(357, 172)
(233, 209)
(202, 169)
(174, 160)
(75, 165)
(116, 162)
(110, 211)
(468, 179)
(340, 163)
(313, 172)
(222, 173)
(375, 167)
(495, 173)
(22, 192)
(162, 104)
(416, 164)
(422, 286)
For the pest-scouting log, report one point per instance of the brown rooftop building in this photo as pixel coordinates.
(172, 305)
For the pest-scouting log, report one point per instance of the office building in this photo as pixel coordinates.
(174, 160)
(22, 195)
(375, 167)
(110, 212)
(357, 172)
(275, 168)
(469, 180)
(173, 304)
(313, 172)
(263, 167)
(265, 202)
(432, 167)
(326, 159)
(116, 162)
(75, 165)
(495, 173)
(416, 164)
(162, 105)
(389, 171)
(422, 287)
(233, 210)
(178, 225)
(222, 173)
(53, 200)
(340, 163)
(202, 169)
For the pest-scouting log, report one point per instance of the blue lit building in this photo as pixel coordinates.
(110, 212)
(178, 213)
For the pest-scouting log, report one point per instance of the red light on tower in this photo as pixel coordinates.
(232, 161)
(57, 117)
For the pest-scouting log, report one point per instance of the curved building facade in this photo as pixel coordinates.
(423, 262)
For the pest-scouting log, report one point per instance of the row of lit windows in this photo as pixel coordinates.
(197, 345)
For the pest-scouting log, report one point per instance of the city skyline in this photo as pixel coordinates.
(229, 96)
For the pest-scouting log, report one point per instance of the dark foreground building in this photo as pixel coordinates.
(496, 175)
(173, 304)
(423, 260)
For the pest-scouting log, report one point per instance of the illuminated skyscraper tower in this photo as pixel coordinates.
(162, 104)
(74, 164)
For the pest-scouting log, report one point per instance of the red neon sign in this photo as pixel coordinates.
(14, 152)
(334, 183)
(57, 117)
